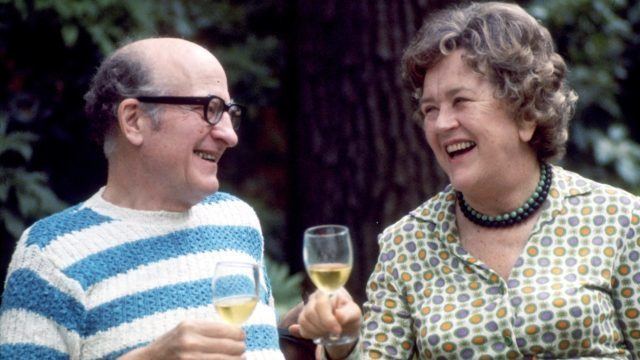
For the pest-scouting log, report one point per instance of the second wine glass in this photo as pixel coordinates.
(328, 258)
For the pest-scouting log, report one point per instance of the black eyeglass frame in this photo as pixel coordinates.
(199, 100)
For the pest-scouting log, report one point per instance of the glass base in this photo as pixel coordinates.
(335, 340)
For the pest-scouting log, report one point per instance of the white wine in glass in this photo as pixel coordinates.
(235, 290)
(329, 277)
(328, 258)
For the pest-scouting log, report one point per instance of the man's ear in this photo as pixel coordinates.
(130, 121)
(526, 129)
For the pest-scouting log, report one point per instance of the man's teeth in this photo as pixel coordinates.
(459, 146)
(205, 156)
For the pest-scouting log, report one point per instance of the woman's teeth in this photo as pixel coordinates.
(456, 148)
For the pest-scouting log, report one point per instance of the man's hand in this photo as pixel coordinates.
(195, 339)
(324, 316)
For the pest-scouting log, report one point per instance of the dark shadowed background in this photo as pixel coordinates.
(330, 137)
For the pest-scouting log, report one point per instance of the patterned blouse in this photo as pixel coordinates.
(573, 292)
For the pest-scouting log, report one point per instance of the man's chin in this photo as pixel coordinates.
(210, 187)
(201, 190)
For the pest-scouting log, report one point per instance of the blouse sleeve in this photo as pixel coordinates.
(387, 331)
(626, 283)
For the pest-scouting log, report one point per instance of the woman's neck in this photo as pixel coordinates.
(509, 190)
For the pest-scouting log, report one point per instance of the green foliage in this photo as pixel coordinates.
(615, 147)
(24, 195)
(597, 39)
(222, 26)
(591, 33)
(285, 286)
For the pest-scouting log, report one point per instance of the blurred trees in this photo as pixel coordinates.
(329, 137)
(599, 39)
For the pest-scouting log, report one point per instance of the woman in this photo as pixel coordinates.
(516, 258)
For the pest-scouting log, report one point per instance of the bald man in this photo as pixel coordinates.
(127, 273)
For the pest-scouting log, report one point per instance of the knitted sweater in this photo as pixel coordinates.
(96, 281)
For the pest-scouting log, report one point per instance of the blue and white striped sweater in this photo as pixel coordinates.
(95, 281)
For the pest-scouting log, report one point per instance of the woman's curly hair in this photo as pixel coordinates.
(515, 52)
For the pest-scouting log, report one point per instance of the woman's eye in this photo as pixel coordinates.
(429, 113)
(426, 110)
(459, 100)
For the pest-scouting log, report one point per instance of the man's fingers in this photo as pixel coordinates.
(221, 346)
(209, 337)
(218, 357)
(210, 328)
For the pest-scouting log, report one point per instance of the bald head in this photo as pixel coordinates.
(175, 62)
(156, 66)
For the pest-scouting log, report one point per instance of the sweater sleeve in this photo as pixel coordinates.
(41, 313)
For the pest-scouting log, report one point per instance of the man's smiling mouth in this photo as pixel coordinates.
(205, 155)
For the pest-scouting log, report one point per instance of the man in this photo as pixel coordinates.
(127, 273)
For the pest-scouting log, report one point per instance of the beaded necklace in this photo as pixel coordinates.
(517, 216)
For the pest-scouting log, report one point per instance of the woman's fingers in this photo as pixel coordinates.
(295, 330)
(325, 315)
(317, 318)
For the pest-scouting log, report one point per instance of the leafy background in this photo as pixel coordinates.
(50, 49)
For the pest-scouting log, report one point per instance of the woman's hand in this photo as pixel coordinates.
(195, 339)
(323, 316)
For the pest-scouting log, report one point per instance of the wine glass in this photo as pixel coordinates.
(235, 288)
(328, 259)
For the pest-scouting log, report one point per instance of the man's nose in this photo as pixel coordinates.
(224, 131)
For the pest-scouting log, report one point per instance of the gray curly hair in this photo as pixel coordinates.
(515, 52)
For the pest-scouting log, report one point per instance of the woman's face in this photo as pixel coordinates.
(472, 134)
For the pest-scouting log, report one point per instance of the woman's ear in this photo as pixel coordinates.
(526, 129)
(130, 121)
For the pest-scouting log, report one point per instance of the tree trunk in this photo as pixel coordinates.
(358, 157)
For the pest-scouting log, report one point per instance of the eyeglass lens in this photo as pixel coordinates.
(217, 107)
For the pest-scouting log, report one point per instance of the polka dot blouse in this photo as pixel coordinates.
(573, 292)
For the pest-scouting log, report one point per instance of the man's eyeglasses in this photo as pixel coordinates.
(214, 106)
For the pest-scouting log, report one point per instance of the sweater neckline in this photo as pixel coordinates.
(155, 217)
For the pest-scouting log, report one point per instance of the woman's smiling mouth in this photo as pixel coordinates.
(459, 148)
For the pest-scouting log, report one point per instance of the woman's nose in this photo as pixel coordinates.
(446, 119)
